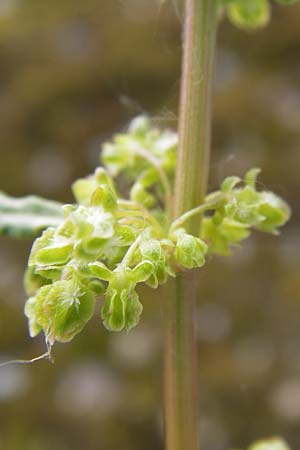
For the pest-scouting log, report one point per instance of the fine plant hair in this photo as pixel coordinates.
(46, 355)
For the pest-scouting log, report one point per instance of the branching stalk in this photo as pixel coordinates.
(130, 252)
(197, 211)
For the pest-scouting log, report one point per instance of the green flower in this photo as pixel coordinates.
(221, 236)
(244, 208)
(189, 250)
(122, 308)
(106, 245)
(61, 310)
(251, 14)
(263, 210)
(142, 154)
(152, 250)
(275, 212)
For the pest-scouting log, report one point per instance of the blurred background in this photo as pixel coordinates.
(71, 74)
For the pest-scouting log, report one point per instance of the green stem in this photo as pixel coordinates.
(180, 386)
(195, 105)
(197, 211)
(130, 252)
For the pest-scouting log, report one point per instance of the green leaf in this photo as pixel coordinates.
(249, 14)
(27, 216)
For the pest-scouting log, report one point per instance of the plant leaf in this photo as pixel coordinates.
(26, 216)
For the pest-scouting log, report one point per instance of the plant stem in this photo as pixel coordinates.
(180, 381)
(130, 252)
(195, 105)
(197, 211)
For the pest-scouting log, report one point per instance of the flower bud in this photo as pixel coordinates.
(63, 309)
(105, 197)
(189, 250)
(83, 189)
(275, 212)
(249, 14)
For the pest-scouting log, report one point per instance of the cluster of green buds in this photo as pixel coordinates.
(107, 245)
(146, 158)
(251, 14)
(244, 208)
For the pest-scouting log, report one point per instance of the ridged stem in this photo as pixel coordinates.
(180, 353)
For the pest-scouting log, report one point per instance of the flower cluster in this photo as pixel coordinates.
(244, 208)
(107, 245)
(146, 157)
(251, 13)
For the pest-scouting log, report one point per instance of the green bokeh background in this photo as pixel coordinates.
(71, 74)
